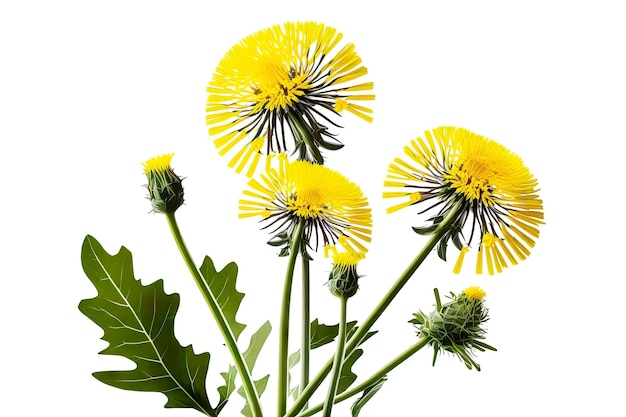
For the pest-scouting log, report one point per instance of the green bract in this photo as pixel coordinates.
(343, 280)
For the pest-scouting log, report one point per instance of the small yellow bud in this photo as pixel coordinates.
(165, 188)
(344, 280)
(474, 292)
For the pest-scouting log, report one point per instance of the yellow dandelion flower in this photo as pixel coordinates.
(284, 83)
(334, 210)
(497, 193)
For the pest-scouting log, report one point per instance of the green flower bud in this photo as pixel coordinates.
(343, 280)
(456, 327)
(165, 188)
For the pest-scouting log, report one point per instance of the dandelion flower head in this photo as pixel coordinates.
(333, 209)
(497, 194)
(282, 85)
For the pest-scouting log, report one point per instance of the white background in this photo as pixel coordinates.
(90, 89)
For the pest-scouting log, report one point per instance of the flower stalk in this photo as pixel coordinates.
(372, 379)
(338, 360)
(252, 395)
(305, 348)
(359, 335)
(283, 341)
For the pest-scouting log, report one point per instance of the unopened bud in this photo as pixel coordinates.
(343, 280)
(456, 327)
(165, 188)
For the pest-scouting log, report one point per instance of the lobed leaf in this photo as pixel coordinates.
(322, 334)
(138, 323)
(257, 340)
(260, 385)
(222, 285)
(228, 388)
(348, 377)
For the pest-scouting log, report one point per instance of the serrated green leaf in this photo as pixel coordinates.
(257, 340)
(348, 377)
(228, 388)
(322, 334)
(368, 393)
(260, 385)
(319, 335)
(292, 361)
(222, 285)
(138, 323)
(256, 343)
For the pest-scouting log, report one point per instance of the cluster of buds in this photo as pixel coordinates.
(456, 327)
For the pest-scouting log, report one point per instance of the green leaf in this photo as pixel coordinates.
(322, 334)
(250, 356)
(319, 335)
(368, 393)
(348, 377)
(292, 361)
(138, 323)
(222, 285)
(256, 343)
(257, 340)
(228, 388)
(260, 385)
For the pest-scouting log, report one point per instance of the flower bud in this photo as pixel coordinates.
(165, 188)
(456, 327)
(343, 280)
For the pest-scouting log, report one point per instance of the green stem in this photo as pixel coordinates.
(373, 379)
(283, 342)
(361, 332)
(306, 325)
(249, 387)
(300, 130)
(338, 361)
